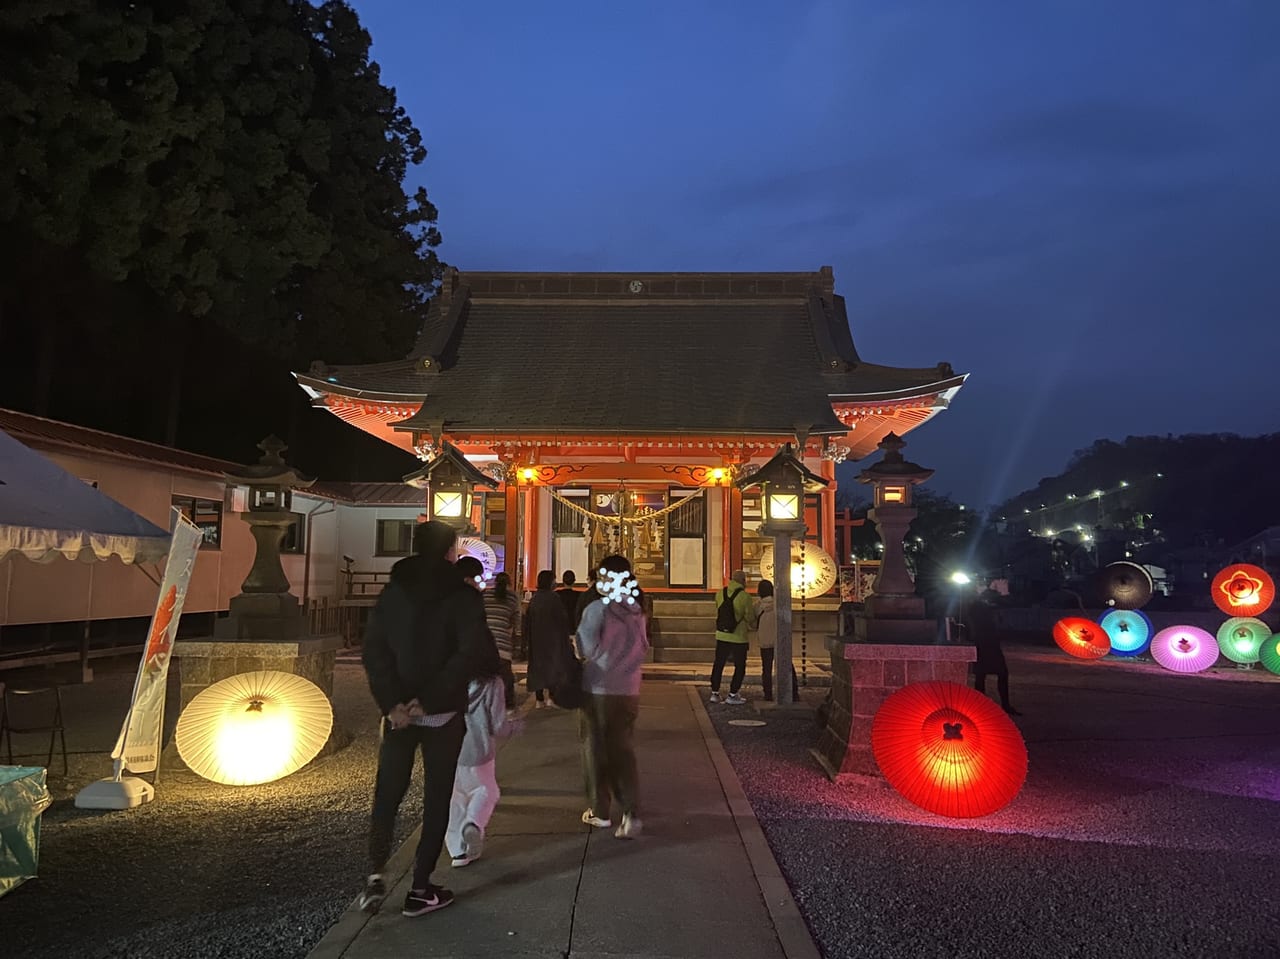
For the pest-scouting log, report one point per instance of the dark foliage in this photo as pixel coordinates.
(196, 198)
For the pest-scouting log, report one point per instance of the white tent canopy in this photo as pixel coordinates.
(45, 512)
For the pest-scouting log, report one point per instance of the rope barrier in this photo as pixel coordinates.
(619, 520)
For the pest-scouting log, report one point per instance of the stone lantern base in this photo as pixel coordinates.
(864, 675)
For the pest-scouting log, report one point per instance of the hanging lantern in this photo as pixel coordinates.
(783, 483)
(1126, 585)
(450, 480)
(1184, 649)
(1269, 653)
(1240, 638)
(948, 749)
(813, 575)
(254, 728)
(1243, 590)
(1129, 631)
(1082, 638)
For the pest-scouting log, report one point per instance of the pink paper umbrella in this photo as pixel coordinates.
(1184, 649)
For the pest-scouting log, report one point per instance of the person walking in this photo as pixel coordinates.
(475, 783)
(586, 598)
(546, 628)
(502, 612)
(426, 640)
(980, 620)
(762, 618)
(613, 642)
(733, 618)
(569, 596)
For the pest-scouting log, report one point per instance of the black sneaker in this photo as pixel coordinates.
(419, 902)
(371, 897)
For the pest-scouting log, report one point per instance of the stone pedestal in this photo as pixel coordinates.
(203, 662)
(864, 675)
(265, 617)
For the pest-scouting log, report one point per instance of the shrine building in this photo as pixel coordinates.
(613, 411)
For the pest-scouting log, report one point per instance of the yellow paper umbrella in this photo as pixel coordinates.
(254, 728)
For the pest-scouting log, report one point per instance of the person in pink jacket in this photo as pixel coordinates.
(612, 642)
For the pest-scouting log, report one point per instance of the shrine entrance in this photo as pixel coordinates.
(663, 529)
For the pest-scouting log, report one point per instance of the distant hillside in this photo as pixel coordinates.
(1196, 489)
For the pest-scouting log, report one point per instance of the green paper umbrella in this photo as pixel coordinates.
(1241, 637)
(1270, 654)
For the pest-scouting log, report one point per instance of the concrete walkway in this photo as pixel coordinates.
(700, 882)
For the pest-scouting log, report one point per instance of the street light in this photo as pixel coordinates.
(783, 483)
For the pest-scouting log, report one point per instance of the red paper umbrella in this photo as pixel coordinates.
(1126, 585)
(1081, 637)
(949, 749)
(1243, 590)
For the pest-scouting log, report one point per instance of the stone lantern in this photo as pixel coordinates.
(893, 596)
(893, 644)
(450, 481)
(783, 483)
(265, 609)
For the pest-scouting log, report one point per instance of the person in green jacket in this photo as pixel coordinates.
(732, 642)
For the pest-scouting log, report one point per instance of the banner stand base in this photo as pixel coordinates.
(124, 793)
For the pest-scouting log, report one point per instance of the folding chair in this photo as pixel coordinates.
(25, 720)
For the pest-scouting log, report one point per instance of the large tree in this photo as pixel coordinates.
(165, 166)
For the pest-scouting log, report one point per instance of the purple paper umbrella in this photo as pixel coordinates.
(1184, 649)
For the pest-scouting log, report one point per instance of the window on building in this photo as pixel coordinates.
(566, 521)
(204, 513)
(394, 537)
(295, 537)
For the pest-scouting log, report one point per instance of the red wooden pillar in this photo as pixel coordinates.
(827, 538)
(511, 536)
(531, 537)
(734, 540)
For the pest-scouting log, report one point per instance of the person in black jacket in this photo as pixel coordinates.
(426, 640)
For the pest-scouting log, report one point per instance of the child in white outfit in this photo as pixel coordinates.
(475, 784)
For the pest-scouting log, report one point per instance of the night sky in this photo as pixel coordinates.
(1075, 201)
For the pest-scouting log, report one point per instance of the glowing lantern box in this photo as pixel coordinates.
(23, 797)
(1082, 638)
(949, 749)
(450, 479)
(1243, 590)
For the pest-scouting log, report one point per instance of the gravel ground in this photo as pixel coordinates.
(1148, 827)
(205, 870)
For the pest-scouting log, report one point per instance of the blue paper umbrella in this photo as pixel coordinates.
(1129, 630)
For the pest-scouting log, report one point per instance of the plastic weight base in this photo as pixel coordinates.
(124, 793)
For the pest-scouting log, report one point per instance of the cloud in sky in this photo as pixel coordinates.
(1076, 203)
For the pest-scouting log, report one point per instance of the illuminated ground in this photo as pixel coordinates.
(1147, 826)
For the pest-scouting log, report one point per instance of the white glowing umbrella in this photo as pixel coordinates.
(813, 578)
(254, 728)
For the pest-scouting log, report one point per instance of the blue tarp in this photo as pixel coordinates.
(45, 512)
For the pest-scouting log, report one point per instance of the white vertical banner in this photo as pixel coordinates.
(138, 748)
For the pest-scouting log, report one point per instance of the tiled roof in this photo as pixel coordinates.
(38, 431)
(370, 494)
(45, 433)
(680, 353)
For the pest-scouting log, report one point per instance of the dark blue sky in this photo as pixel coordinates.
(1075, 201)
